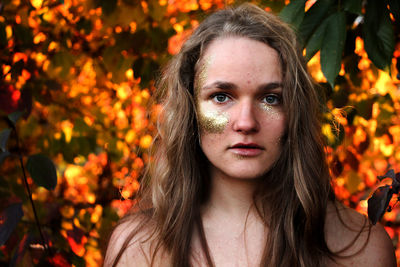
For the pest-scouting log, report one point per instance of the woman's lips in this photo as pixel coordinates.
(246, 149)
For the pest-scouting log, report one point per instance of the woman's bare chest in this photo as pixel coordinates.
(231, 248)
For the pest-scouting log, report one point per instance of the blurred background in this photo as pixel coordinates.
(76, 82)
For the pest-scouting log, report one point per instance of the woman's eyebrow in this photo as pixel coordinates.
(221, 85)
(231, 86)
(269, 86)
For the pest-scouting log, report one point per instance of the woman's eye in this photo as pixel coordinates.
(272, 100)
(220, 98)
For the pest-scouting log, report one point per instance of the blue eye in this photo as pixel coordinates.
(220, 98)
(272, 100)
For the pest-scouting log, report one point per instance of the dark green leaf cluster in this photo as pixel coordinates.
(328, 24)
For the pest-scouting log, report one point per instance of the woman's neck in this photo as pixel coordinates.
(230, 197)
(234, 232)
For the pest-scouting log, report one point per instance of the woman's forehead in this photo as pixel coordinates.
(239, 60)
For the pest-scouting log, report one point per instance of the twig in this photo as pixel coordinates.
(46, 246)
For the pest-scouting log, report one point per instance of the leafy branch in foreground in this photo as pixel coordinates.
(378, 204)
(42, 171)
(329, 26)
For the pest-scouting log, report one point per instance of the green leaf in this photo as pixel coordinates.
(15, 116)
(378, 33)
(315, 42)
(353, 6)
(9, 219)
(332, 46)
(293, 13)
(42, 171)
(4, 135)
(314, 18)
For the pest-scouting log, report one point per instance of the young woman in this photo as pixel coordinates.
(239, 176)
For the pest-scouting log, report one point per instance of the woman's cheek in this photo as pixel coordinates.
(211, 121)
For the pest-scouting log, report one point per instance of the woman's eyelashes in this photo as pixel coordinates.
(269, 99)
(272, 99)
(219, 98)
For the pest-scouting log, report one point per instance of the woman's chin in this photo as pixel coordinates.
(246, 174)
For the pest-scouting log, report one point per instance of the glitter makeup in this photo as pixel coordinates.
(209, 121)
(270, 110)
(266, 107)
(202, 74)
(212, 121)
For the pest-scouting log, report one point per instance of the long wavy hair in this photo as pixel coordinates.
(292, 199)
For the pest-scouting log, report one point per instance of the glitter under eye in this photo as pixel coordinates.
(266, 107)
(212, 121)
(273, 111)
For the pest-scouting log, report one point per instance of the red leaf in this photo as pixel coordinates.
(59, 260)
(9, 98)
(77, 241)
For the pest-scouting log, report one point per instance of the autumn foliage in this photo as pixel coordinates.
(77, 77)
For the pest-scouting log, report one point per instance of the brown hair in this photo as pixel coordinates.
(295, 194)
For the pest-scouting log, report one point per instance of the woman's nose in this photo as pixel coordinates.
(245, 120)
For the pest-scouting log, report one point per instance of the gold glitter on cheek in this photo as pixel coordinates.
(271, 110)
(209, 121)
(266, 107)
(212, 121)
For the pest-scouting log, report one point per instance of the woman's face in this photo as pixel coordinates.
(238, 98)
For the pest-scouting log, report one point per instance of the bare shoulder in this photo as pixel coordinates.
(357, 242)
(130, 242)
